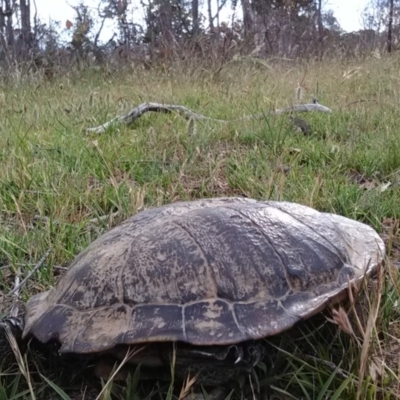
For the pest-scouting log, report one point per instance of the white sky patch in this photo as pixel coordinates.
(348, 12)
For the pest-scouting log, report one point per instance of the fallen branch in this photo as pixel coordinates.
(188, 114)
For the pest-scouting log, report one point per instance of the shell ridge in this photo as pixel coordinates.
(317, 232)
(210, 271)
(271, 246)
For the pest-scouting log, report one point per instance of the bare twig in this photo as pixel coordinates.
(44, 219)
(96, 220)
(188, 114)
(60, 267)
(17, 280)
(103, 218)
(332, 366)
(15, 291)
(17, 287)
(355, 102)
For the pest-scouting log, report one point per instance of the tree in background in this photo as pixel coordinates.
(176, 30)
(167, 21)
(84, 22)
(285, 27)
(15, 29)
(390, 26)
(6, 26)
(195, 17)
(383, 18)
(129, 32)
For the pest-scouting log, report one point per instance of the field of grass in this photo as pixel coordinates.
(56, 184)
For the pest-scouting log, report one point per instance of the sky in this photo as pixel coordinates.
(347, 12)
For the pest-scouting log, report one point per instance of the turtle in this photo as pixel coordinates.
(207, 280)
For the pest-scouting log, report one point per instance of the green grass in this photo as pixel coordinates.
(51, 169)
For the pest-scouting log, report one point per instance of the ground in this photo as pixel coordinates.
(61, 188)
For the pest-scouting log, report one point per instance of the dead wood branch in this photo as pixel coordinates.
(188, 114)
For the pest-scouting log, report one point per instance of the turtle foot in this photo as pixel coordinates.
(11, 328)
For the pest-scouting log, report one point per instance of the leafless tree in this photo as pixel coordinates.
(390, 27)
(195, 16)
(320, 29)
(248, 18)
(6, 27)
(16, 34)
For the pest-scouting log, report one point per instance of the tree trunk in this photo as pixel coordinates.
(9, 27)
(390, 27)
(210, 17)
(165, 18)
(248, 18)
(26, 34)
(195, 16)
(218, 19)
(6, 25)
(320, 30)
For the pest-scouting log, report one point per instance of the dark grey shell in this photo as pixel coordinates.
(207, 272)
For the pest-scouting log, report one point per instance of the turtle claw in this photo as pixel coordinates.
(16, 325)
(13, 326)
(13, 322)
(240, 354)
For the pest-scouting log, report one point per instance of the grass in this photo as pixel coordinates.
(55, 182)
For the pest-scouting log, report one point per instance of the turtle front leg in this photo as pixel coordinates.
(11, 326)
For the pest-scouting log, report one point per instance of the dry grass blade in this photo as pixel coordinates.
(398, 374)
(316, 188)
(186, 387)
(21, 361)
(352, 302)
(341, 319)
(371, 326)
(129, 354)
(253, 392)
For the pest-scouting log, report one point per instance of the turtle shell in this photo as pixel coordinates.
(206, 272)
